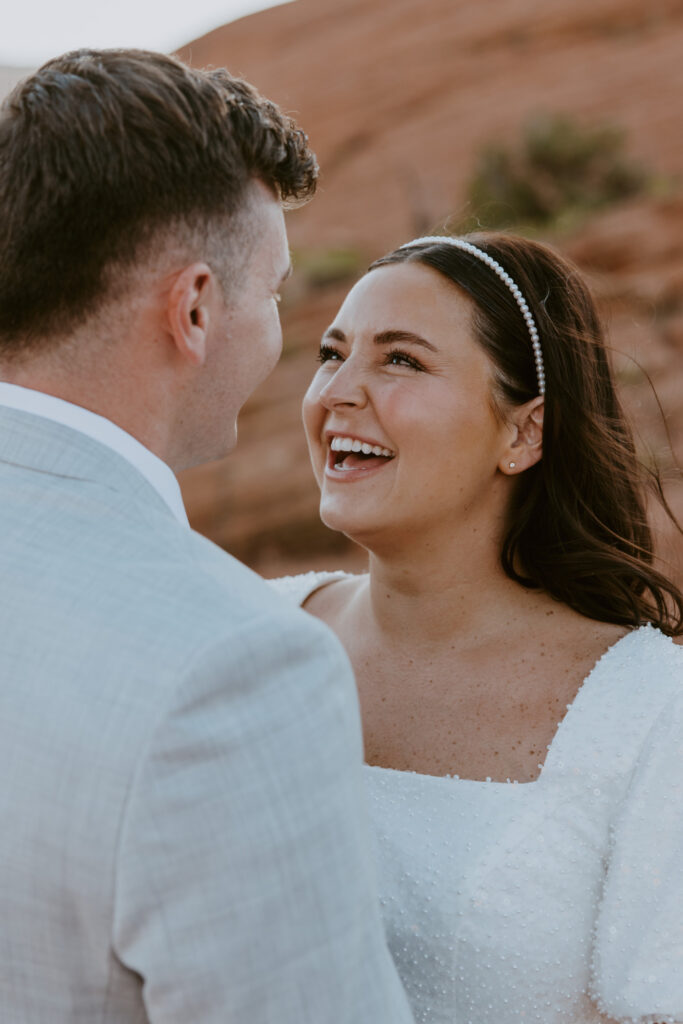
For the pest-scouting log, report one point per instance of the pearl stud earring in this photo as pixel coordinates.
(512, 465)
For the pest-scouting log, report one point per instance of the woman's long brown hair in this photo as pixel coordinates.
(577, 523)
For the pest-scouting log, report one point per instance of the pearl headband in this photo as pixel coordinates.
(516, 292)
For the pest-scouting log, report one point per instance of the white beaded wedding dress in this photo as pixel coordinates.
(557, 901)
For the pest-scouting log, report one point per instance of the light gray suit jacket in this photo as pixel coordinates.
(182, 831)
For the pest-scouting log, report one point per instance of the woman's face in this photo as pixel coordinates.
(402, 375)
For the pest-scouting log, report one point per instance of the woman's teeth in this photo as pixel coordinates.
(349, 444)
(357, 454)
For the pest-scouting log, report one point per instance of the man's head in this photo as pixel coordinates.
(107, 155)
(119, 171)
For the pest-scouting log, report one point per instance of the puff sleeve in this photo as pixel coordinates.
(638, 952)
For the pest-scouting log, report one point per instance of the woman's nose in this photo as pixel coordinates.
(345, 387)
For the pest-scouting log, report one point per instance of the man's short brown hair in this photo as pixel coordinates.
(103, 150)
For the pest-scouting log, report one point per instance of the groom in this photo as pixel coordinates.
(182, 829)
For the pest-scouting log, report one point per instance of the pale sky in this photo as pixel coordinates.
(31, 31)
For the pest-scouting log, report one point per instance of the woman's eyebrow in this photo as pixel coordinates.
(391, 337)
(335, 334)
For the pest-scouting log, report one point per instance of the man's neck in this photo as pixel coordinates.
(101, 429)
(113, 395)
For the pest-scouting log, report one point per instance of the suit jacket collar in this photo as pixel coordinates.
(45, 446)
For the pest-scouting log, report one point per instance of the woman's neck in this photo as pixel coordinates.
(435, 594)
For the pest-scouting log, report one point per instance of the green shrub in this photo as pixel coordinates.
(559, 170)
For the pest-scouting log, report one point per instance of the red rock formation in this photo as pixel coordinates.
(398, 97)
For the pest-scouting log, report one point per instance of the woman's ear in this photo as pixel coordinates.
(188, 311)
(526, 447)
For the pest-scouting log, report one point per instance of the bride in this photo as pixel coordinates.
(522, 699)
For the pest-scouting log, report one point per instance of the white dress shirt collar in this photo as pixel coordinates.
(159, 475)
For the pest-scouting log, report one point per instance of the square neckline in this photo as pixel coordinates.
(322, 579)
(580, 698)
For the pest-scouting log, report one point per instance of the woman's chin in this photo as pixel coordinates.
(351, 521)
(337, 520)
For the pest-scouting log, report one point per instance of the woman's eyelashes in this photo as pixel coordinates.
(327, 352)
(398, 358)
(395, 357)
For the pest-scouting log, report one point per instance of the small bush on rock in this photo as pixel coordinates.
(559, 171)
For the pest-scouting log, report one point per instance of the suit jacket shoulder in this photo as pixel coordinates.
(183, 835)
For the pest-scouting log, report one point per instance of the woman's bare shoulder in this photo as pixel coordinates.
(333, 597)
(318, 591)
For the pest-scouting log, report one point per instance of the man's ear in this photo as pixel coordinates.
(526, 447)
(188, 311)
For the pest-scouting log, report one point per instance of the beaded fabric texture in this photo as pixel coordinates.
(494, 265)
(558, 901)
